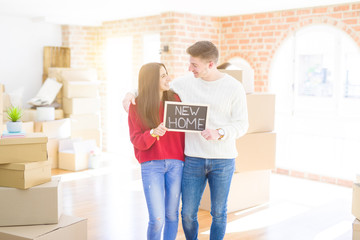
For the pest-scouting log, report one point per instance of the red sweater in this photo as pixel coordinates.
(146, 147)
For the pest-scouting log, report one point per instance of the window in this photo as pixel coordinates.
(316, 78)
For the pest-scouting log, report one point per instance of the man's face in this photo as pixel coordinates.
(199, 67)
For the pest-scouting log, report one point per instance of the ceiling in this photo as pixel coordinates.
(94, 12)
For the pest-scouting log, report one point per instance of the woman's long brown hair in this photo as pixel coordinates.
(148, 100)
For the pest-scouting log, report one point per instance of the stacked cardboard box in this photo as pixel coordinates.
(356, 209)
(256, 154)
(80, 101)
(36, 213)
(56, 131)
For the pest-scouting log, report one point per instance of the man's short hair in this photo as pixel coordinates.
(205, 50)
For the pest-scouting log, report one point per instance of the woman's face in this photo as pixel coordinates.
(164, 80)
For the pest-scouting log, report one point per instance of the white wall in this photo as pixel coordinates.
(21, 54)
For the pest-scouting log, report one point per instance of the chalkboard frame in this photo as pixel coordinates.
(167, 103)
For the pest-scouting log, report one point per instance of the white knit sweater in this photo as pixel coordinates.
(228, 110)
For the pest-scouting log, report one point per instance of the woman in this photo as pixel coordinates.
(160, 153)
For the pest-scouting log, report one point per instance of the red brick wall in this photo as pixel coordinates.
(254, 37)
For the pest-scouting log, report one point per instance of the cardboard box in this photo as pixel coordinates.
(24, 175)
(356, 229)
(81, 122)
(41, 204)
(53, 152)
(81, 105)
(69, 228)
(30, 115)
(55, 129)
(261, 112)
(6, 101)
(356, 200)
(31, 148)
(246, 77)
(1, 98)
(80, 89)
(74, 154)
(73, 74)
(88, 135)
(247, 190)
(256, 151)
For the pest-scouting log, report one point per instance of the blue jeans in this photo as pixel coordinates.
(197, 171)
(162, 187)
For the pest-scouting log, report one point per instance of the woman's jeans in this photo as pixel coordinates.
(162, 187)
(197, 171)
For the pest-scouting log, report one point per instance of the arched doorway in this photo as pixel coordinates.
(315, 75)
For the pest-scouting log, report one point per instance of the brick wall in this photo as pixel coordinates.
(254, 37)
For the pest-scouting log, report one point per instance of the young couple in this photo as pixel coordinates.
(173, 164)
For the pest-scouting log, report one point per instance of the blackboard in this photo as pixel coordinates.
(184, 117)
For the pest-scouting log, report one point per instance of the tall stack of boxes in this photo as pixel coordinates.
(256, 153)
(81, 105)
(356, 208)
(80, 101)
(30, 200)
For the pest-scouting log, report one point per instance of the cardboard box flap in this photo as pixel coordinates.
(24, 166)
(30, 138)
(36, 231)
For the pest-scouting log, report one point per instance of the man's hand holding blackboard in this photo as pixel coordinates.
(159, 131)
(210, 134)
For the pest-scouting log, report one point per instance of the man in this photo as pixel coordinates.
(210, 155)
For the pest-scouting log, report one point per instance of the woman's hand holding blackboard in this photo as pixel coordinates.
(160, 130)
(210, 134)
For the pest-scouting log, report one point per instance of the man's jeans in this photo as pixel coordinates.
(197, 171)
(162, 185)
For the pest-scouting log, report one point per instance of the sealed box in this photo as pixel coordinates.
(69, 228)
(53, 152)
(74, 154)
(24, 175)
(55, 129)
(256, 151)
(41, 204)
(261, 112)
(80, 89)
(31, 148)
(88, 134)
(245, 76)
(81, 122)
(356, 200)
(356, 229)
(81, 105)
(248, 189)
(73, 74)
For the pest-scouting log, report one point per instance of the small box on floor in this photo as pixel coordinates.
(41, 204)
(69, 228)
(356, 200)
(356, 230)
(31, 148)
(74, 154)
(25, 175)
(248, 189)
